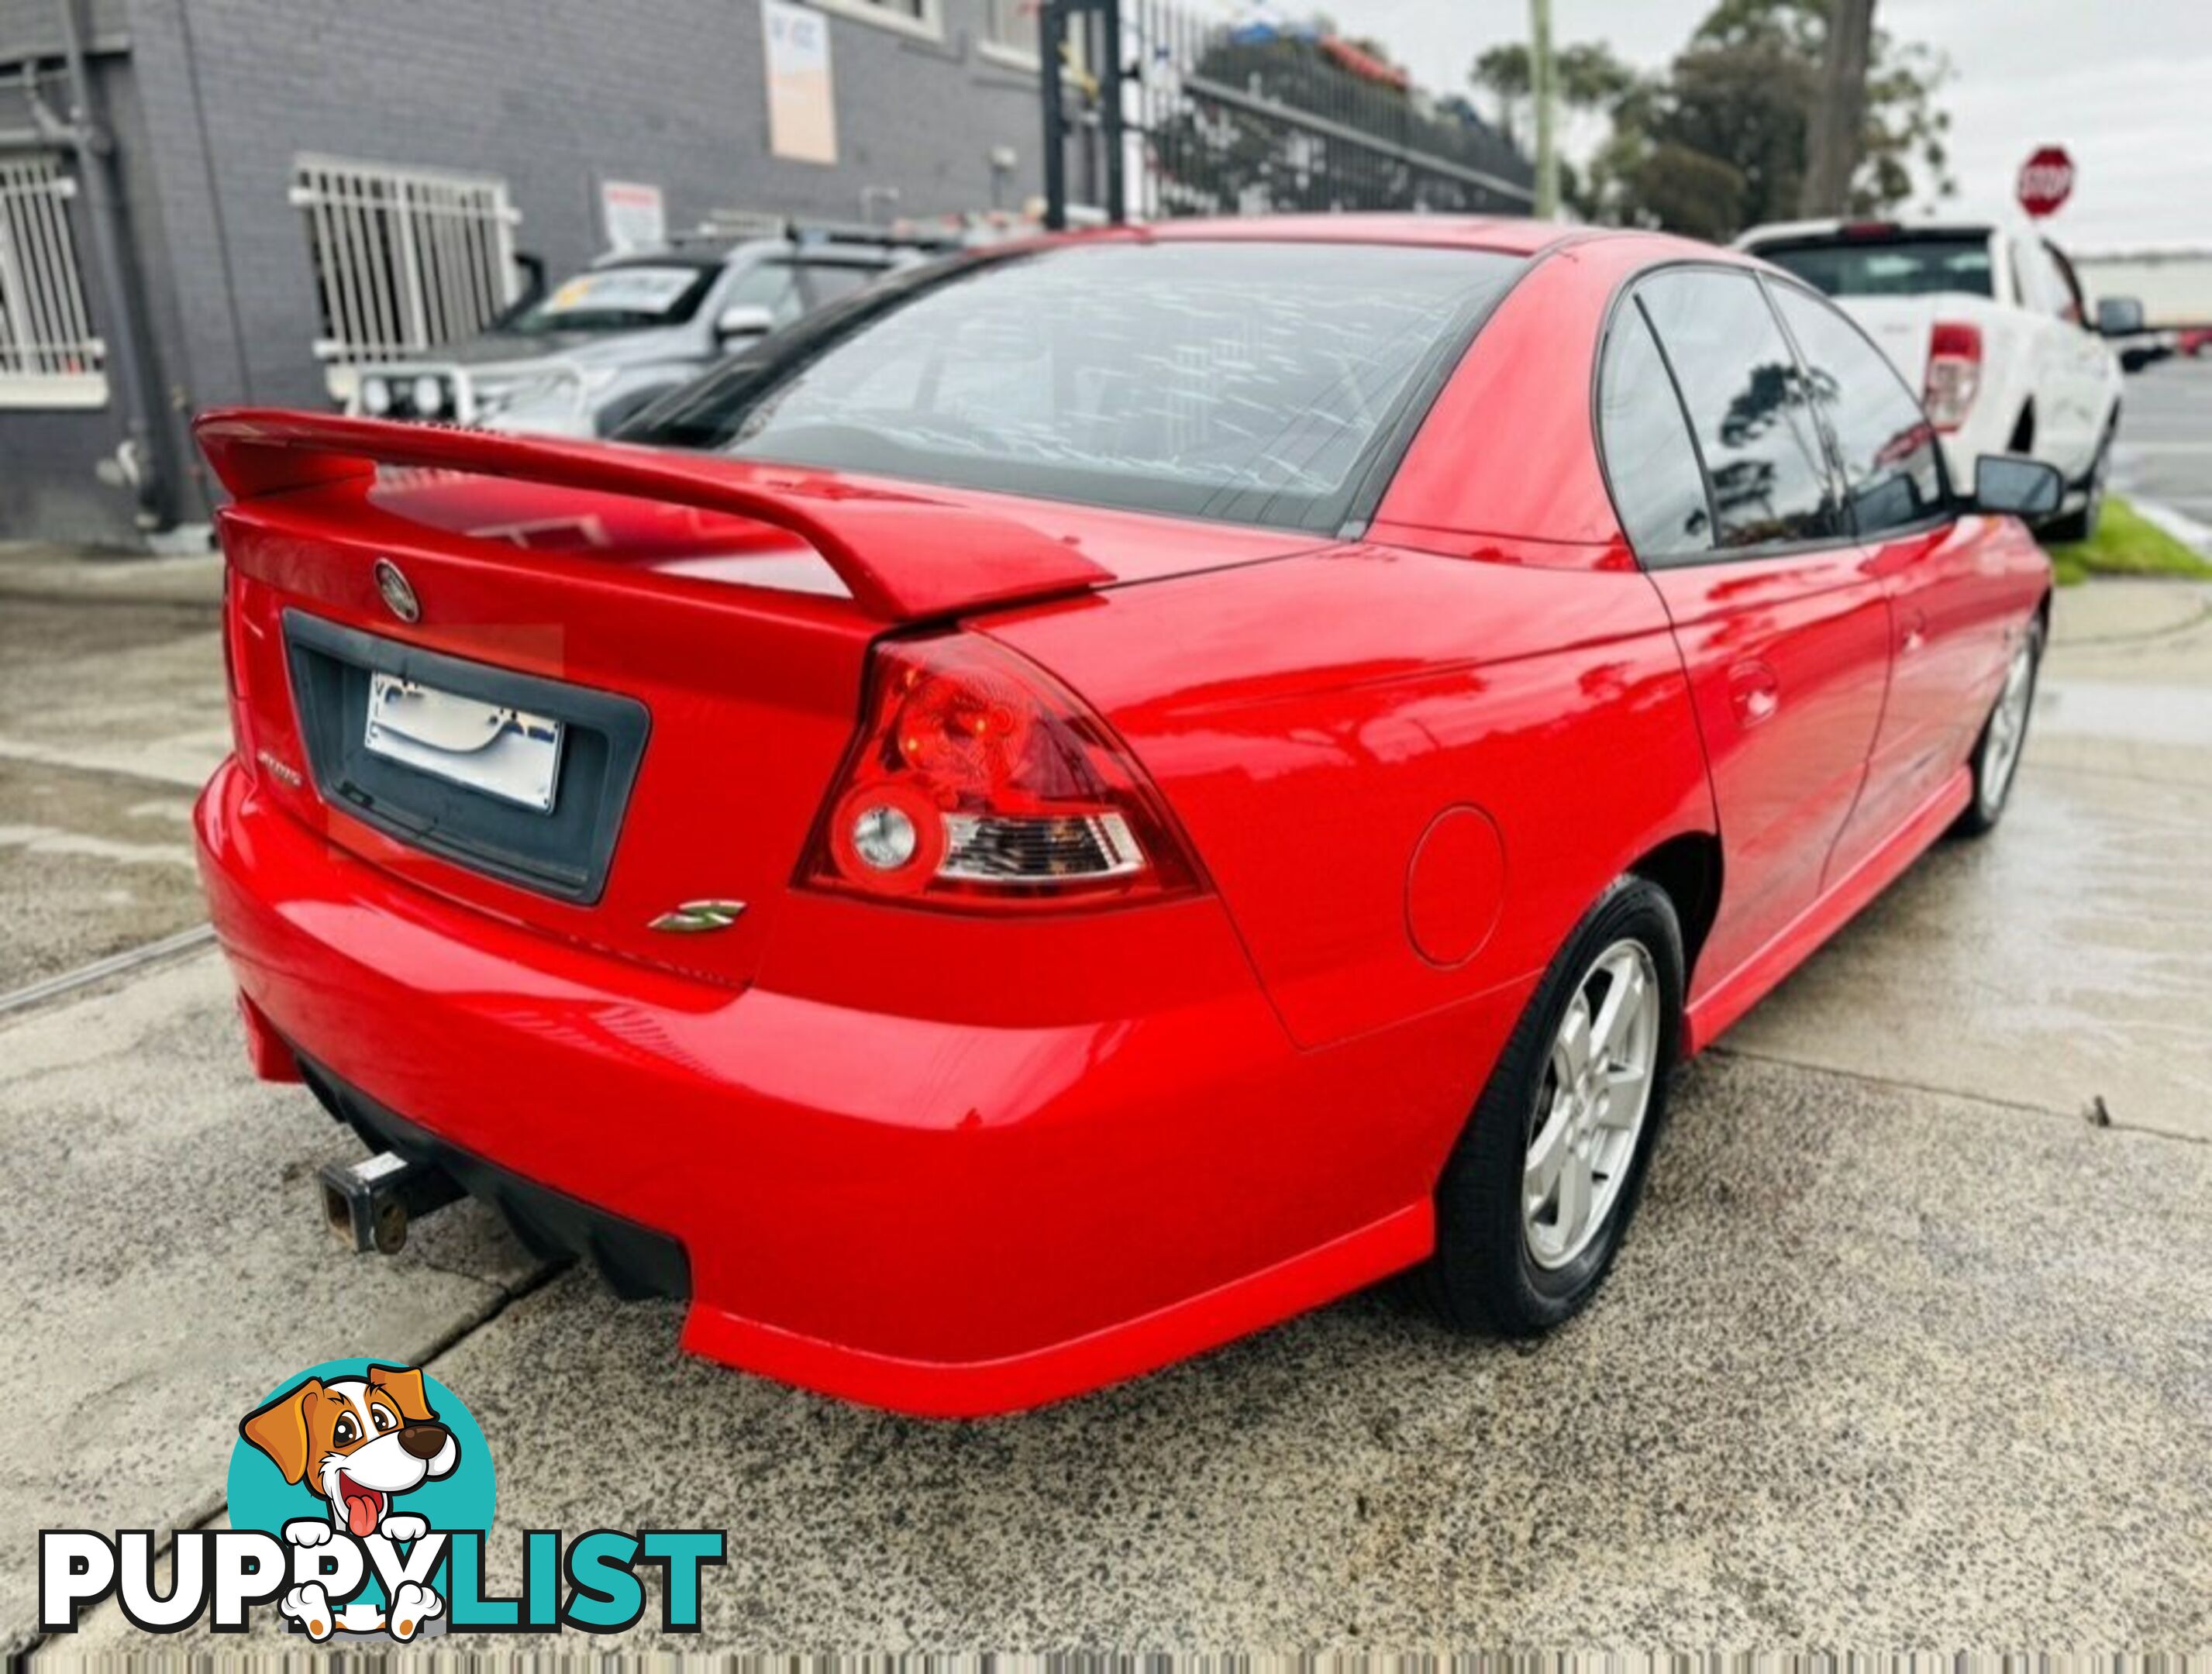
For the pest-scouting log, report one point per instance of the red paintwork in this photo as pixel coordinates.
(954, 1160)
(949, 556)
(1520, 238)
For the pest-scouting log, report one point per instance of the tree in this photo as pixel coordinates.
(1590, 77)
(1838, 125)
(1721, 141)
(1505, 72)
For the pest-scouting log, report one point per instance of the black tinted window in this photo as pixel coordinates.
(1888, 267)
(1250, 381)
(1649, 461)
(1747, 405)
(1888, 447)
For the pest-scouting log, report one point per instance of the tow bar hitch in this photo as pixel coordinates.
(368, 1204)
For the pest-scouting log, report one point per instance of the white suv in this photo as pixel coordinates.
(1989, 322)
(583, 358)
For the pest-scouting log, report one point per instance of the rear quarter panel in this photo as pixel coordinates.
(1310, 722)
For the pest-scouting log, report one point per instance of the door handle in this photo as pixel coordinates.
(1755, 690)
(1916, 631)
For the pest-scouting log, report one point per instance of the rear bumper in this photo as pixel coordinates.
(926, 1215)
(636, 1262)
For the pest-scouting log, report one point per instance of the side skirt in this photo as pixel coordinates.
(1713, 1012)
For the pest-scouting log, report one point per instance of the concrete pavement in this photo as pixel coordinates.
(1903, 1350)
(111, 718)
(159, 1244)
(2064, 965)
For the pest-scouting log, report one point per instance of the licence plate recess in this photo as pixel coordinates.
(492, 749)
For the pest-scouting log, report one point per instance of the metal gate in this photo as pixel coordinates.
(50, 356)
(1218, 119)
(404, 258)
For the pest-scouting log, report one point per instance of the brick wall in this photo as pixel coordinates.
(216, 98)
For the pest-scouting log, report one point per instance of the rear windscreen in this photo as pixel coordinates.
(1891, 267)
(1256, 382)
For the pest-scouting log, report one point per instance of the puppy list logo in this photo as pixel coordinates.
(360, 1495)
(355, 1444)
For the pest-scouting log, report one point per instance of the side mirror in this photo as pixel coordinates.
(2119, 315)
(2008, 483)
(743, 319)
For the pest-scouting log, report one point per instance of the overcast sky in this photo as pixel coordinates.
(2125, 85)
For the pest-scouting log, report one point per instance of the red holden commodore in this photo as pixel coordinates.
(1094, 796)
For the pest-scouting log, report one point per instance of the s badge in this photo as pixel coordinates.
(695, 917)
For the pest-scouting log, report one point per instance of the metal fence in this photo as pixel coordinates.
(405, 259)
(1225, 120)
(49, 354)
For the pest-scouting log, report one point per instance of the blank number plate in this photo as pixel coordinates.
(510, 753)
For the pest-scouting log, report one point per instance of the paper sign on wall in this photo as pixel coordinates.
(802, 114)
(633, 215)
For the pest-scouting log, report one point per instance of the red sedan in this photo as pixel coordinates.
(1097, 796)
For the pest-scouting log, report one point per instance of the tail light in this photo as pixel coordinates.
(1954, 373)
(979, 781)
(234, 665)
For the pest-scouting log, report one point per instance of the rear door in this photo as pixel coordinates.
(2085, 361)
(1948, 622)
(1728, 494)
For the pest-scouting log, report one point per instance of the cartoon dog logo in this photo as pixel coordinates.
(361, 1442)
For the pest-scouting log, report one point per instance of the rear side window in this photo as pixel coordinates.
(832, 281)
(1887, 445)
(1900, 266)
(1657, 488)
(1747, 407)
(773, 285)
(2065, 289)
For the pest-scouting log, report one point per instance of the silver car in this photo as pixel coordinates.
(580, 358)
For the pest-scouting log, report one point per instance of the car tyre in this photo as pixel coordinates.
(1498, 1267)
(2004, 734)
(2082, 525)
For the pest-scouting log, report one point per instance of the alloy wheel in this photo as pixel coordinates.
(2008, 727)
(1589, 1113)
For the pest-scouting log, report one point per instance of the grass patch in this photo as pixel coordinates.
(2126, 544)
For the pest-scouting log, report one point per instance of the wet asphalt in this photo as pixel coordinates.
(1911, 1344)
(2166, 431)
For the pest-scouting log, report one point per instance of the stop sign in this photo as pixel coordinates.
(2046, 180)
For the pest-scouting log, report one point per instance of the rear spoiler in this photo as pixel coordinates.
(902, 554)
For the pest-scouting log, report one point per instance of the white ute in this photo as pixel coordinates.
(1988, 321)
